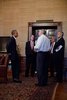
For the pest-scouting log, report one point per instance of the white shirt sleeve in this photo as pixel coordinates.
(59, 48)
(38, 44)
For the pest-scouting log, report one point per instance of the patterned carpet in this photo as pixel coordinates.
(26, 90)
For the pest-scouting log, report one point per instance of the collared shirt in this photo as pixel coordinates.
(52, 46)
(14, 37)
(32, 44)
(43, 44)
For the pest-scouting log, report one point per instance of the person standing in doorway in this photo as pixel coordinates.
(52, 68)
(30, 57)
(42, 47)
(59, 56)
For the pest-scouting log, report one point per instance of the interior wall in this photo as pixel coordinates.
(15, 14)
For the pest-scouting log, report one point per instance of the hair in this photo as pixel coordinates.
(62, 33)
(44, 32)
(13, 31)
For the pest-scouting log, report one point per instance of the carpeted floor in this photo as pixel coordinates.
(26, 90)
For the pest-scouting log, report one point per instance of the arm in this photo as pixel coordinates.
(38, 44)
(59, 48)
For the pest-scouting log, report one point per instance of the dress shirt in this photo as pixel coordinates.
(32, 44)
(42, 44)
(52, 46)
(14, 37)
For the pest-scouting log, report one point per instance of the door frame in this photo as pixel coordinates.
(43, 24)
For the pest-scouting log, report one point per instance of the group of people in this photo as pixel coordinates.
(48, 53)
(37, 56)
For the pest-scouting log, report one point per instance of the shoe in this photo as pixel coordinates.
(32, 75)
(60, 81)
(51, 76)
(36, 84)
(26, 75)
(17, 81)
(41, 85)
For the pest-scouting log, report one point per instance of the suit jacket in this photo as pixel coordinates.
(11, 48)
(30, 54)
(59, 55)
(28, 49)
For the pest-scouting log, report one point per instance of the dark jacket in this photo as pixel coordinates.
(59, 55)
(28, 50)
(30, 54)
(11, 48)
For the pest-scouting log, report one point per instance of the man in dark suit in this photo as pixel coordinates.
(59, 56)
(30, 57)
(11, 50)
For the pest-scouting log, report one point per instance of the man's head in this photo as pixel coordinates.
(59, 34)
(52, 39)
(41, 31)
(32, 38)
(14, 33)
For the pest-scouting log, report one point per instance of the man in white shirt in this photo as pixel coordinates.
(42, 48)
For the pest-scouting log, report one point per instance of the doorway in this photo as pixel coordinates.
(50, 28)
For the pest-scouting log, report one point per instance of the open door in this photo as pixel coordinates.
(50, 27)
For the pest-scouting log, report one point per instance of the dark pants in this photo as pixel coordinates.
(30, 65)
(15, 68)
(52, 68)
(42, 67)
(59, 65)
(59, 71)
